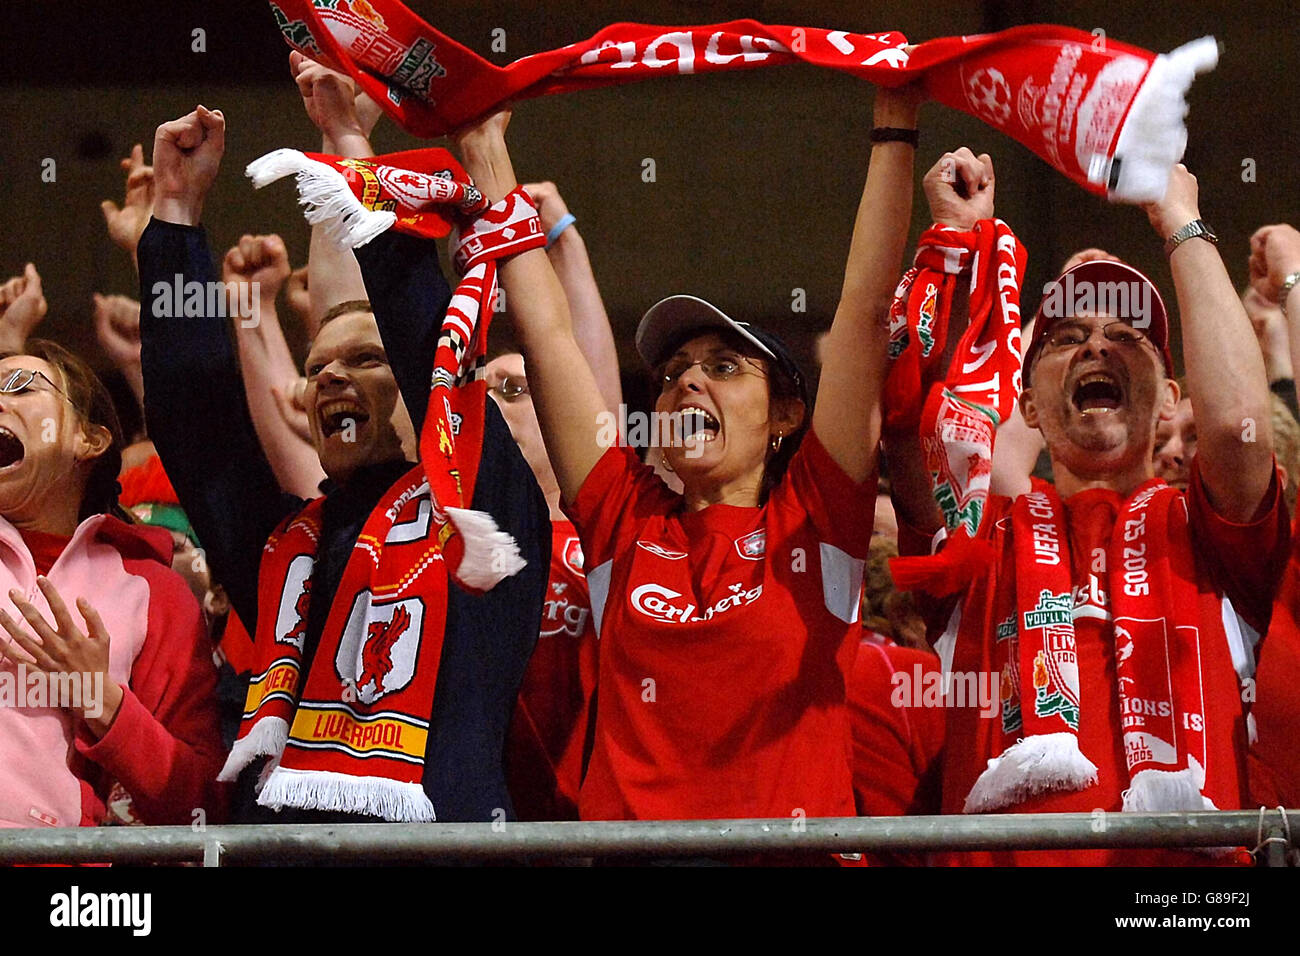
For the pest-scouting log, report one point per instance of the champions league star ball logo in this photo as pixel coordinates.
(989, 95)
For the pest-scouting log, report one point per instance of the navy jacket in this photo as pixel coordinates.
(198, 419)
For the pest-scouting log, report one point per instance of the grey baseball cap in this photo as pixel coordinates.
(669, 321)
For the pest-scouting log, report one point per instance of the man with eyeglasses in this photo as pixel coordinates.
(1108, 606)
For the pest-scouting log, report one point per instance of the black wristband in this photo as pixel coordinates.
(895, 134)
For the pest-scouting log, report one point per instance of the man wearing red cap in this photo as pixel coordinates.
(1110, 604)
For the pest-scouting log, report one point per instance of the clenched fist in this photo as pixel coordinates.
(186, 156)
(261, 261)
(1274, 255)
(959, 188)
(22, 306)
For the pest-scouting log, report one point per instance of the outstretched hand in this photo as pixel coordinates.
(959, 188)
(334, 102)
(126, 222)
(186, 156)
(65, 649)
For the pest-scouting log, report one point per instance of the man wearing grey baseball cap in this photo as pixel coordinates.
(726, 613)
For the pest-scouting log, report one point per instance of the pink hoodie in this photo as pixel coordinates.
(164, 745)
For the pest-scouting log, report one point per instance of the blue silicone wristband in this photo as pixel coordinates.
(565, 222)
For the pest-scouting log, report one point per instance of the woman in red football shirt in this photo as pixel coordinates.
(724, 613)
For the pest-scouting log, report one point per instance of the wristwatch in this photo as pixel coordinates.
(1287, 285)
(1197, 227)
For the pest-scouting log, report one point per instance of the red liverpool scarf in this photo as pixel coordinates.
(1107, 115)
(352, 737)
(959, 418)
(1150, 573)
(356, 200)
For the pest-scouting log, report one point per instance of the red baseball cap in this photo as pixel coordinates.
(1103, 287)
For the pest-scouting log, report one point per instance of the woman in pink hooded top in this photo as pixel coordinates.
(106, 674)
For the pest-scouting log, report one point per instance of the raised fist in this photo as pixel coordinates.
(117, 326)
(260, 260)
(550, 205)
(186, 156)
(22, 306)
(126, 223)
(1274, 255)
(1180, 205)
(959, 188)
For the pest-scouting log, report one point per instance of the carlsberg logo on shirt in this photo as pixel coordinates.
(655, 602)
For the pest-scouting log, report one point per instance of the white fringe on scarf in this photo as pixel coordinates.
(266, 739)
(1157, 791)
(1153, 136)
(325, 192)
(1031, 766)
(490, 553)
(396, 802)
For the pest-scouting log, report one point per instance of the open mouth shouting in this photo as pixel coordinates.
(696, 424)
(338, 414)
(1097, 392)
(12, 451)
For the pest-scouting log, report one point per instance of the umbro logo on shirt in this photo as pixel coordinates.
(660, 551)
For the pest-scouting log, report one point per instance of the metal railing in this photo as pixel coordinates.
(1265, 831)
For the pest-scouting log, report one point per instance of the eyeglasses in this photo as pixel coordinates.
(718, 368)
(1066, 335)
(510, 389)
(18, 380)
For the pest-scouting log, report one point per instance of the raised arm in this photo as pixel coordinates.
(345, 116)
(1274, 259)
(568, 255)
(194, 401)
(126, 223)
(260, 264)
(959, 190)
(847, 416)
(22, 307)
(569, 403)
(117, 327)
(1225, 370)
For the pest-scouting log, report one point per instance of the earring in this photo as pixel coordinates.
(776, 443)
(663, 459)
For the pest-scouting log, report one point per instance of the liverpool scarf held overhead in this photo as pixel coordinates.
(959, 416)
(1107, 115)
(420, 192)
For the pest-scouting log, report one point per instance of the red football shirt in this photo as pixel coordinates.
(546, 748)
(898, 731)
(1275, 759)
(1237, 561)
(725, 638)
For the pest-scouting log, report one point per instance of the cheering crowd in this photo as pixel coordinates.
(989, 565)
